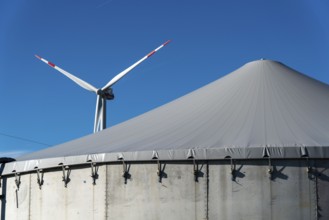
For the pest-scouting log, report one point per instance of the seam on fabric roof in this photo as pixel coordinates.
(258, 89)
(283, 107)
(245, 102)
(264, 74)
(273, 88)
(228, 119)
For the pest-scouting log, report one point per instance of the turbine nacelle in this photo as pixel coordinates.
(105, 93)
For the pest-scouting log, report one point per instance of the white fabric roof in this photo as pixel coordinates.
(264, 106)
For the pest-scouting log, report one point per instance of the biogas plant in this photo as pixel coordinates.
(250, 145)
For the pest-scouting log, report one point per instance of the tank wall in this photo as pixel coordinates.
(290, 192)
(177, 196)
(79, 200)
(18, 200)
(287, 193)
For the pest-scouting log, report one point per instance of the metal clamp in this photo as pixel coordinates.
(160, 172)
(17, 180)
(94, 172)
(40, 177)
(66, 174)
(125, 172)
(270, 167)
(309, 167)
(233, 169)
(195, 170)
(266, 154)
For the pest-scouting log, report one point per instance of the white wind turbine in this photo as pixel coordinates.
(103, 94)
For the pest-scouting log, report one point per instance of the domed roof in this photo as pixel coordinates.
(262, 109)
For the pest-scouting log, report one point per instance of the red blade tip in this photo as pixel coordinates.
(150, 54)
(51, 64)
(167, 42)
(37, 57)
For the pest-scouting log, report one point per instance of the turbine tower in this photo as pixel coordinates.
(103, 94)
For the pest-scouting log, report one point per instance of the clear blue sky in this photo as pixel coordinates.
(96, 39)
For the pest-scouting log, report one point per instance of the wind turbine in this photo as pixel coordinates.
(105, 93)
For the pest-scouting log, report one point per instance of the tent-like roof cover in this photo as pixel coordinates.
(262, 109)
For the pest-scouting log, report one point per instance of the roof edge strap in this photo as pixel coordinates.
(191, 154)
(155, 155)
(303, 151)
(266, 152)
(120, 156)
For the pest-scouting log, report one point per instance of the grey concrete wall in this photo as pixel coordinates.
(177, 196)
(18, 200)
(290, 192)
(79, 200)
(287, 193)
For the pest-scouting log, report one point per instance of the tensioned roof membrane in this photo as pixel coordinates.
(262, 109)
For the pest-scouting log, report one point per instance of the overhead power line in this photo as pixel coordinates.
(23, 139)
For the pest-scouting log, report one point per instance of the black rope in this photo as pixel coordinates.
(23, 139)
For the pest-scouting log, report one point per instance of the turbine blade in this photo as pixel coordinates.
(75, 79)
(123, 73)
